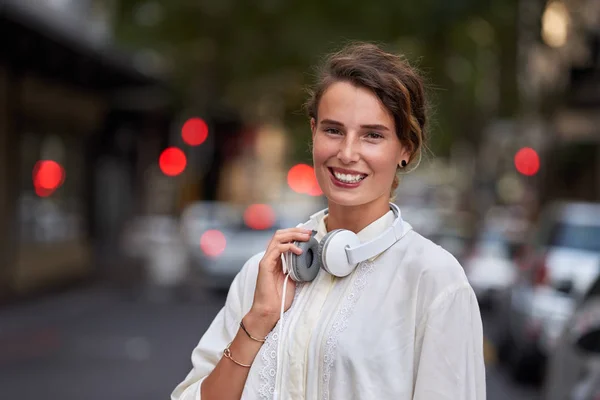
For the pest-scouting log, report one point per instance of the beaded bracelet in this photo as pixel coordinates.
(227, 353)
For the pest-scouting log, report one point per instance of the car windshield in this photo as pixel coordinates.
(495, 243)
(580, 237)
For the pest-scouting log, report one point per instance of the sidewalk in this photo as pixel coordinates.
(99, 343)
(52, 308)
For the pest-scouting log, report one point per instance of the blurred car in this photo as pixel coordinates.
(446, 227)
(490, 266)
(451, 239)
(559, 266)
(220, 237)
(574, 367)
(154, 242)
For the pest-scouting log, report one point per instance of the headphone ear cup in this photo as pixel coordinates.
(322, 247)
(305, 267)
(332, 252)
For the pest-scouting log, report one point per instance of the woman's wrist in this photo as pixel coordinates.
(258, 323)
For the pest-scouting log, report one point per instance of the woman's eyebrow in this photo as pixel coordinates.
(368, 126)
(376, 127)
(331, 122)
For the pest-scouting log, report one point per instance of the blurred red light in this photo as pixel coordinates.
(48, 175)
(301, 179)
(194, 131)
(315, 190)
(259, 216)
(40, 191)
(527, 161)
(213, 243)
(172, 161)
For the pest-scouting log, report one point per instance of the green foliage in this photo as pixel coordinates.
(258, 55)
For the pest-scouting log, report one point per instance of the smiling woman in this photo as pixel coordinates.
(372, 309)
(368, 120)
(355, 146)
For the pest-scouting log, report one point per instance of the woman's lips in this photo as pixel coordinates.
(342, 184)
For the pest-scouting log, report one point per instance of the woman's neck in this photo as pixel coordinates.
(355, 218)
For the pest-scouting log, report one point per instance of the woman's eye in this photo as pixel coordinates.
(374, 135)
(333, 131)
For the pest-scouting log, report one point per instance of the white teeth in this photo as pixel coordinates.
(348, 178)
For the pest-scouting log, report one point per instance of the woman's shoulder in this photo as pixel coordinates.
(429, 272)
(428, 264)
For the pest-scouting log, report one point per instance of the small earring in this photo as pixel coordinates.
(403, 164)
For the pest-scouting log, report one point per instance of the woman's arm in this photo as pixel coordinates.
(216, 376)
(450, 349)
(223, 329)
(227, 380)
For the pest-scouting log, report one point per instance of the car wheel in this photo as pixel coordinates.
(505, 349)
(525, 367)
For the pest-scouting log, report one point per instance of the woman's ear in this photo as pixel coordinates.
(313, 127)
(405, 154)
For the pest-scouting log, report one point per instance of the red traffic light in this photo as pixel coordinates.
(48, 175)
(527, 161)
(172, 161)
(194, 131)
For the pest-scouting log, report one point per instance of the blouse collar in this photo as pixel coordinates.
(369, 232)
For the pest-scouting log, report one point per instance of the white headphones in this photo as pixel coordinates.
(340, 251)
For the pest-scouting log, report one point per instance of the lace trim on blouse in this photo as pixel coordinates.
(268, 373)
(340, 323)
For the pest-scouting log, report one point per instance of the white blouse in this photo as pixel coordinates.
(404, 325)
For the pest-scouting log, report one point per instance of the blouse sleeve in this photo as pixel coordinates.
(450, 363)
(221, 331)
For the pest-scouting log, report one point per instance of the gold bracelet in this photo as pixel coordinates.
(249, 335)
(227, 353)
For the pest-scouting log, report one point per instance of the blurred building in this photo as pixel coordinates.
(574, 160)
(79, 125)
(559, 80)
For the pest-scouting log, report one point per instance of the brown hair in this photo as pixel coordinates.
(397, 85)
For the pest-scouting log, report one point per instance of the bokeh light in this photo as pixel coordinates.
(194, 131)
(172, 161)
(315, 190)
(301, 179)
(213, 242)
(527, 161)
(555, 24)
(48, 175)
(259, 216)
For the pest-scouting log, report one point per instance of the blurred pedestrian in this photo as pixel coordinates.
(373, 310)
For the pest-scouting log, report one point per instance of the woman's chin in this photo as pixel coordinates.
(346, 199)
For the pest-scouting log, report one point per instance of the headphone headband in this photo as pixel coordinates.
(375, 246)
(379, 244)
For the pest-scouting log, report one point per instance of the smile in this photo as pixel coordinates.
(347, 177)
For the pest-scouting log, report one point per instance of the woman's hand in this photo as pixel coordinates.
(266, 307)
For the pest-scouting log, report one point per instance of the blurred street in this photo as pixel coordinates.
(96, 343)
(154, 144)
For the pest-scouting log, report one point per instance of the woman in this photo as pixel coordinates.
(404, 324)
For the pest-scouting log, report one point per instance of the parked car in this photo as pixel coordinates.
(573, 371)
(490, 266)
(558, 267)
(220, 237)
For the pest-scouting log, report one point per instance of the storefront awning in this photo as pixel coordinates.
(58, 48)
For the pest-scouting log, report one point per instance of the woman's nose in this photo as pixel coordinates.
(348, 152)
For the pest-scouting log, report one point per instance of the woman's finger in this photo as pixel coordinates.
(276, 251)
(291, 235)
(285, 247)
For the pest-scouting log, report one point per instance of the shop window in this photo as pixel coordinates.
(50, 205)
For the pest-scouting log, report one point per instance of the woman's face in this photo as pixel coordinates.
(355, 147)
